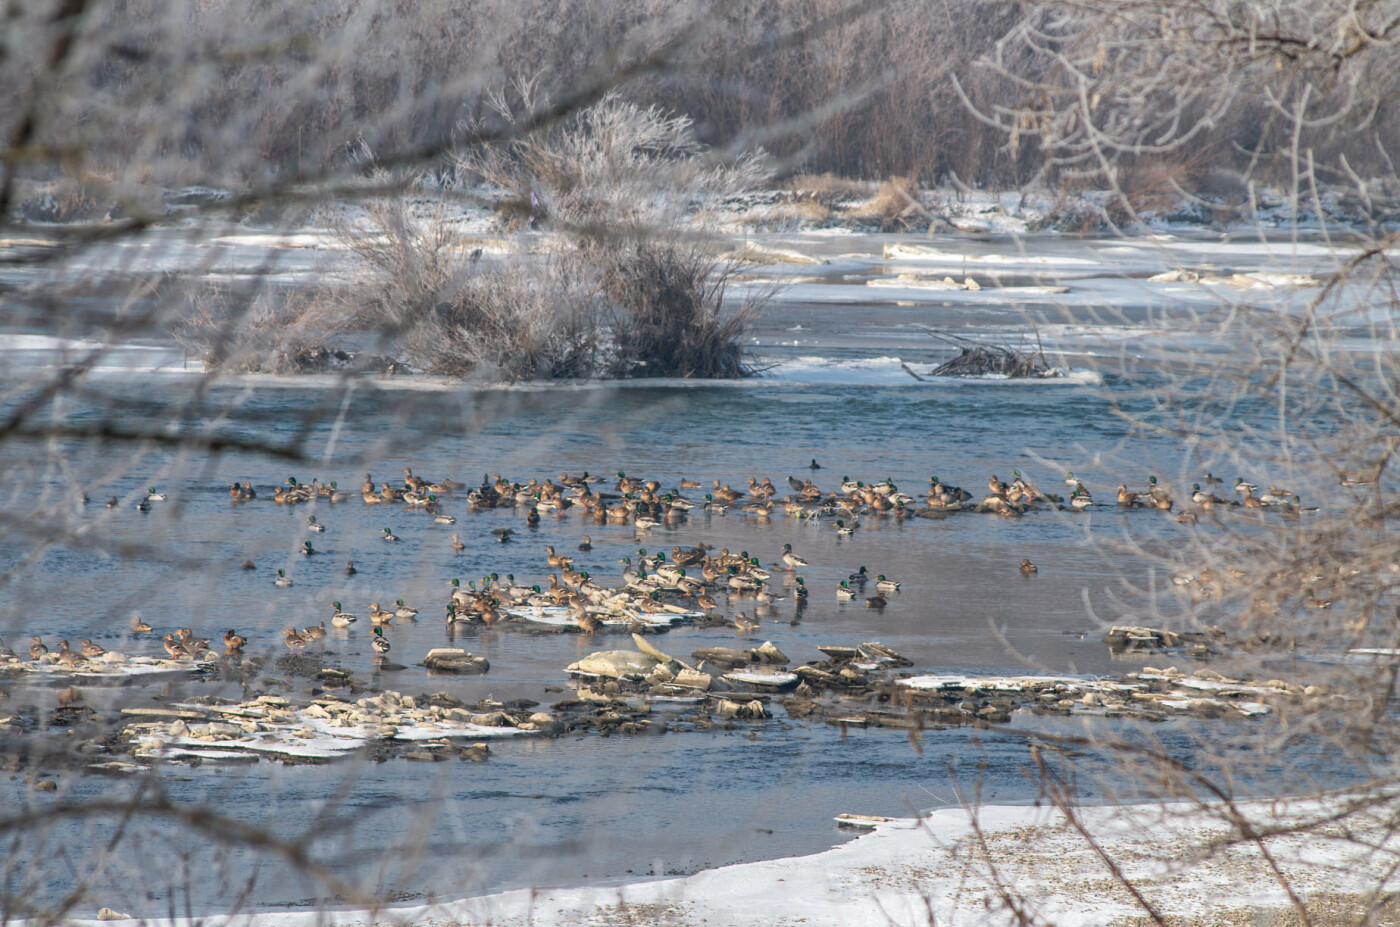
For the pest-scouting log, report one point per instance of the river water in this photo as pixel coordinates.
(587, 808)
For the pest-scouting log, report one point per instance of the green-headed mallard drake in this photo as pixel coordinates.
(404, 612)
(379, 642)
(313, 525)
(341, 619)
(884, 584)
(307, 550)
(859, 576)
(791, 559)
(844, 592)
(154, 496)
(800, 590)
(282, 579)
(390, 535)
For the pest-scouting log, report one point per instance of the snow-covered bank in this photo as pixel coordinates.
(936, 870)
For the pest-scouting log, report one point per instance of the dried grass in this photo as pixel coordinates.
(895, 207)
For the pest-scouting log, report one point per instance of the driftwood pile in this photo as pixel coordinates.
(978, 360)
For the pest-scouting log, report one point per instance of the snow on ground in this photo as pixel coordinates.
(936, 870)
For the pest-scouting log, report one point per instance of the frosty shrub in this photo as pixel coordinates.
(428, 292)
(613, 168)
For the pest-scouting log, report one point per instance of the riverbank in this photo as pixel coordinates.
(994, 866)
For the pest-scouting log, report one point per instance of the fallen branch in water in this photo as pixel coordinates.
(977, 360)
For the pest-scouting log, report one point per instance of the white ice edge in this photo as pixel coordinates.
(906, 870)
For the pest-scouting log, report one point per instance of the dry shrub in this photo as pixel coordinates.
(895, 207)
(430, 294)
(272, 331)
(669, 317)
(517, 323)
(59, 201)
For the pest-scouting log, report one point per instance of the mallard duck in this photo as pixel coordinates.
(502, 534)
(1245, 487)
(792, 560)
(442, 518)
(143, 505)
(457, 544)
(1079, 501)
(154, 496)
(313, 525)
(844, 530)
(314, 632)
(139, 626)
(248, 566)
(404, 612)
(92, 651)
(233, 641)
(379, 642)
(844, 592)
(1028, 568)
(341, 619)
(800, 591)
(744, 623)
(859, 576)
(282, 579)
(1126, 496)
(307, 550)
(350, 568)
(37, 648)
(532, 518)
(876, 601)
(706, 602)
(390, 535)
(557, 560)
(586, 545)
(294, 641)
(886, 585)
(67, 657)
(588, 622)
(379, 615)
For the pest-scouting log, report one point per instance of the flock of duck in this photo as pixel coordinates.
(681, 584)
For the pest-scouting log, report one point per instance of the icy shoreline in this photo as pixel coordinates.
(938, 870)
